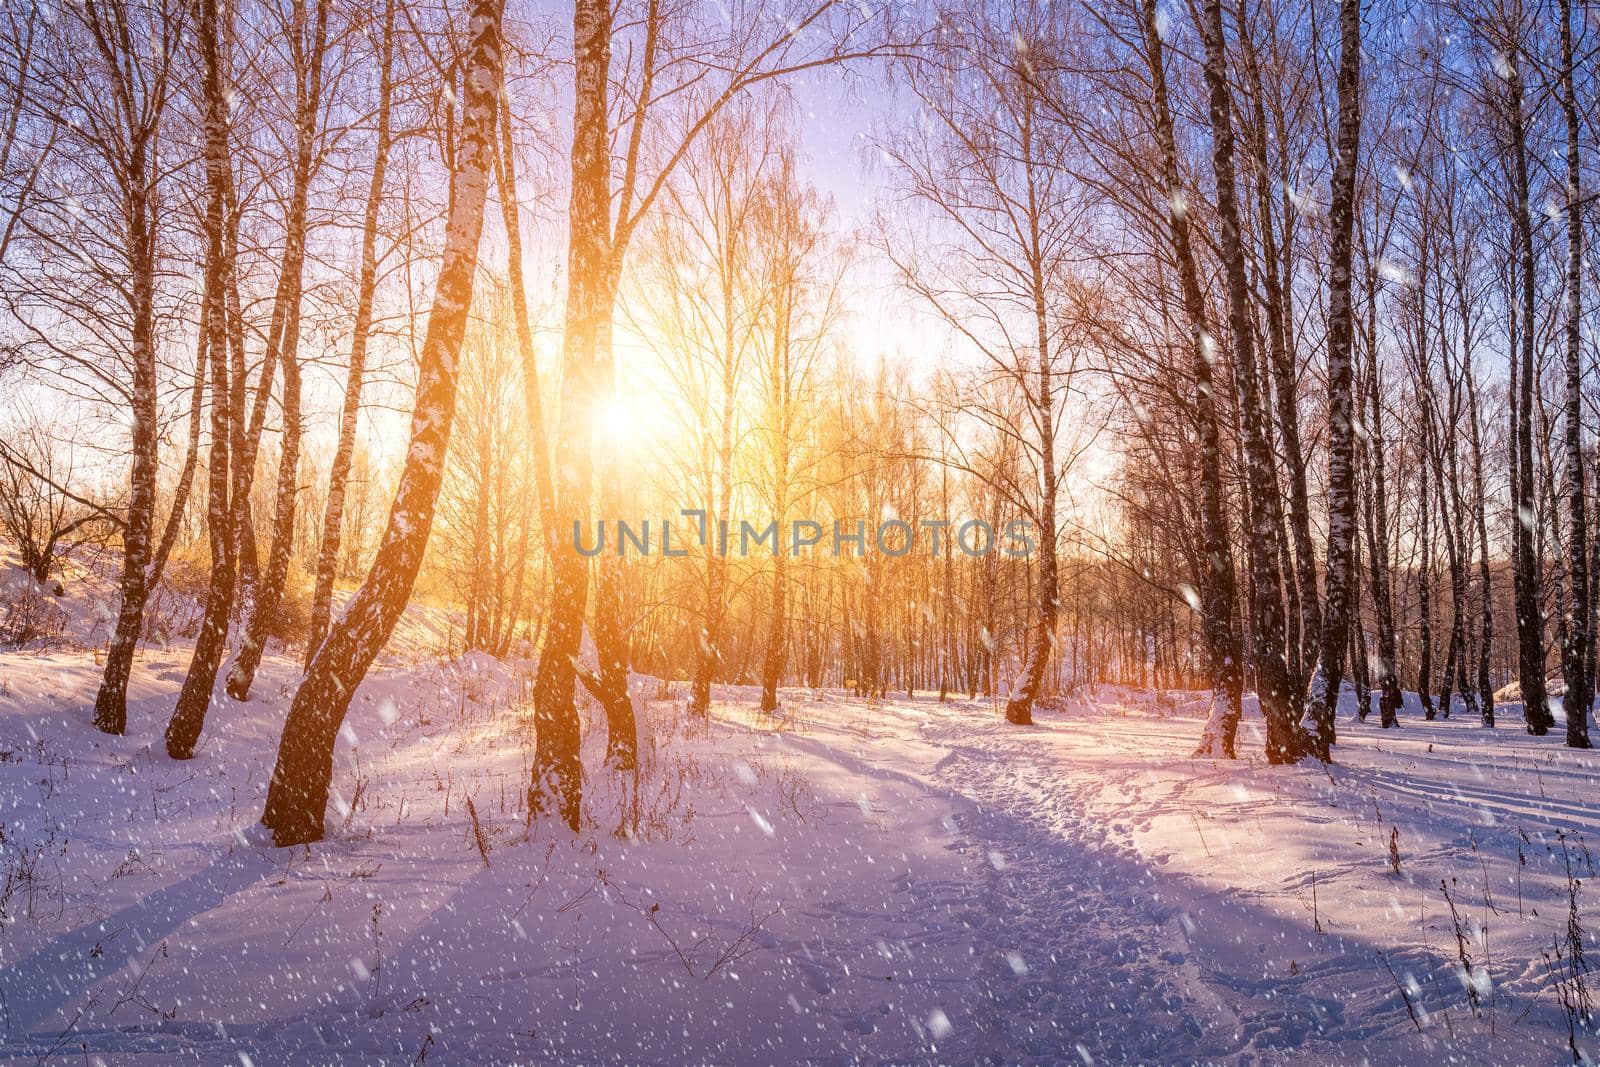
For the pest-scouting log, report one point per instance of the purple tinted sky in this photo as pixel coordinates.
(838, 111)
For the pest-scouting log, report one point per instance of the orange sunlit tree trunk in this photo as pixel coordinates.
(557, 769)
(800, 309)
(601, 223)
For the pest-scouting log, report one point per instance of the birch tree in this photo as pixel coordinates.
(298, 795)
(1273, 682)
(1217, 589)
(188, 716)
(1340, 571)
(802, 307)
(683, 67)
(333, 517)
(102, 84)
(1005, 214)
(1508, 42)
(307, 33)
(1575, 649)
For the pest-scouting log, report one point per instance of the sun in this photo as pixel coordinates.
(624, 419)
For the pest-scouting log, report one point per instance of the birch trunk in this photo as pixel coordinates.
(1042, 639)
(1525, 572)
(1575, 649)
(1281, 361)
(188, 717)
(557, 774)
(1481, 520)
(1424, 589)
(1274, 685)
(773, 660)
(298, 795)
(716, 578)
(366, 287)
(1389, 698)
(1217, 587)
(111, 702)
(137, 179)
(1340, 570)
(269, 593)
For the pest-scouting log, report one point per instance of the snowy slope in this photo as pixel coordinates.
(903, 882)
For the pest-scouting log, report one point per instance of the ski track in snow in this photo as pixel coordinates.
(903, 881)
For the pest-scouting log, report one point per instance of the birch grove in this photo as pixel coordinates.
(1246, 349)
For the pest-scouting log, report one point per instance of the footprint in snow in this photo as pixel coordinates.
(815, 977)
(862, 1024)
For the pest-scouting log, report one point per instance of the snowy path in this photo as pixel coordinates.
(1126, 903)
(902, 882)
(1069, 955)
(1209, 911)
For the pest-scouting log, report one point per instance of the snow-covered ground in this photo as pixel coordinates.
(899, 882)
